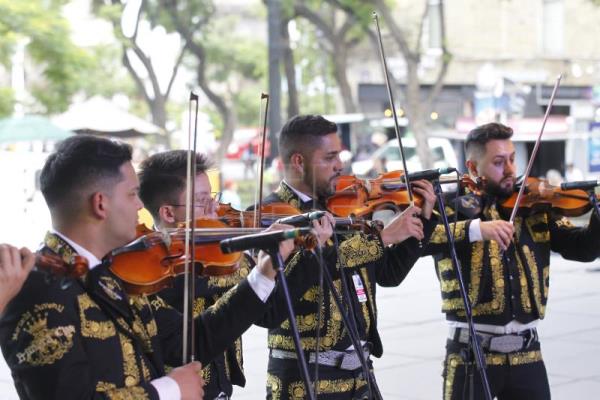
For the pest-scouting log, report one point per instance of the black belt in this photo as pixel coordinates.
(499, 343)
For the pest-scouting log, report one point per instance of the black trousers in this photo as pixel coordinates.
(514, 376)
(284, 382)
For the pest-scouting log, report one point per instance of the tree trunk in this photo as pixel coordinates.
(340, 58)
(293, 107)
(417, 114)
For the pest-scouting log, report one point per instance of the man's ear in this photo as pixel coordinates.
(472, 168)
(166, 214)
(297, 163)
(99, 205)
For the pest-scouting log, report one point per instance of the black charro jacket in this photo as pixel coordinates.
(87, 339)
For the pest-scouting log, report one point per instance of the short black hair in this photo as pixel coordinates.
(302, 133)
(478, 138)
(163, 177)
(78, 163)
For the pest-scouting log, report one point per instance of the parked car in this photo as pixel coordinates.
(389, 155)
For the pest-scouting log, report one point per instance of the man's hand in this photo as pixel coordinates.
(425, 189)
(15, 265)
(286, 247)
(500, 231)
(323, 228)
(190, 381)
(403, 226)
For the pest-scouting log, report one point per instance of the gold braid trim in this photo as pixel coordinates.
(287, 195)
(439, 233)
(526, 357)
(525, 299)
(274, 383)
(130, 369)
(199, 306)
(332, 335)
(454, 360)
(133, 393)
(535, 277)
(297, 391)
(359, 250)
(564, 222)
(223, 300)
(450, 285)
(538, 219)
(231, 280)
(101, 330)
(445, 265)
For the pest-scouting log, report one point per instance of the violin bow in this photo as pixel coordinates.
(393, 106)
(189, 345)
(258, 212)
(534, 152)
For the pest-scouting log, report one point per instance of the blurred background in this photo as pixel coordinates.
(125, 69)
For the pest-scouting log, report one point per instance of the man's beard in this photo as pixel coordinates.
(495, 190)
(322, 191)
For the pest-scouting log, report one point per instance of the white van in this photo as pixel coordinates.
(442, 150)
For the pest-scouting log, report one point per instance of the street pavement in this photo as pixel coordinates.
(413, 333)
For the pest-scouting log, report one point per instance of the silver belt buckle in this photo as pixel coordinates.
(350, 361)
(506, 343)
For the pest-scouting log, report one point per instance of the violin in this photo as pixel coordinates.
(151, 262)
(540, 196)
(273, 212)
(56, 266)
(361, 198)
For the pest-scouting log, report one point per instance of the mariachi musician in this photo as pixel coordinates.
(310, 147)
(87, 338)
(506, 270)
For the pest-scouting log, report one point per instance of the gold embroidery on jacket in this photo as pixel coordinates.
(102, 386)
(496, 305)
(525, 300)
(274, 383)
(564, 222)
(445, 265)
(47, 345)
(439, 234)
(359, 250)
(450, 285)
(101, 330)
(228, 281)
(541, 220)
(332, 334)
(133, 393)
(535, 276)
(199, 306)
(454, 361)
(287, 195)
(525, 357)
(296, 389)
(130, 369)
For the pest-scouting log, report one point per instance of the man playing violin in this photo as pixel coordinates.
(163, 192)
(310, 147)
(15, 265)
(66, 338)
(507, 279)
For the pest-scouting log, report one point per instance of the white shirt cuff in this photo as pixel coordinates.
(261, 285)
(167, 388)
(475, 231)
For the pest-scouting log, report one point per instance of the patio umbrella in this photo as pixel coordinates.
(99, 116)
(30, 127)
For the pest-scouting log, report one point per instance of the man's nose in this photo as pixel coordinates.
(338, 165)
